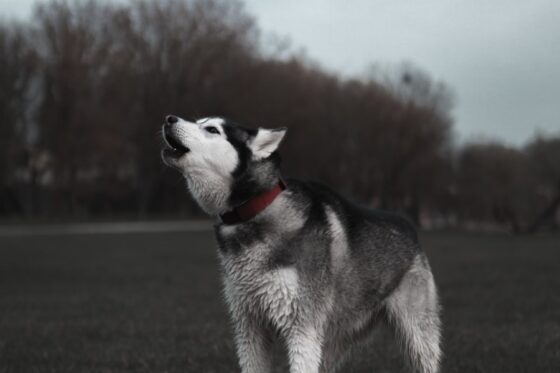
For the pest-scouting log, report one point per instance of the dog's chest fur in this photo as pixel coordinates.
(251, 286)
(260, 277)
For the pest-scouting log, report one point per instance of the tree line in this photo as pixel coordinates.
(85, 86)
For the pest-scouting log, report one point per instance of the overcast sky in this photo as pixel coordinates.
(500, 57)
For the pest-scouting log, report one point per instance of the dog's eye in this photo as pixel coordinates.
(213, 130)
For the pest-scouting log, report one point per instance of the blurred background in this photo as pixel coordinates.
(445, 111)
(451, 118)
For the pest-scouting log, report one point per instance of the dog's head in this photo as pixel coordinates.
(224, 164)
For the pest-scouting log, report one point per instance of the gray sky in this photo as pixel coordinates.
(501, 57)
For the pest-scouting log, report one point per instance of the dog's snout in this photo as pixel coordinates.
(170, 119)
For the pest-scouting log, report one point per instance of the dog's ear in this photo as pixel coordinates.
(266, 141)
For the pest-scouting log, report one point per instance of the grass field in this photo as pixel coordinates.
(150, 302)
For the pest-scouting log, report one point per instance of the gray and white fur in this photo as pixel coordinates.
(312, 269)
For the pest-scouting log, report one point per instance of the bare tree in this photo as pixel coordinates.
(544, 155)
(17, 64)
(416, 140)
(495, 184)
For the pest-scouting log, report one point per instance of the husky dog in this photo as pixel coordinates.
(300, 262)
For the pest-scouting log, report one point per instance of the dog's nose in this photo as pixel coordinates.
(170, 119)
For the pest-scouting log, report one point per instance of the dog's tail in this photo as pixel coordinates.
(413, 313)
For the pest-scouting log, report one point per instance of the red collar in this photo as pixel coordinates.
(252, 206)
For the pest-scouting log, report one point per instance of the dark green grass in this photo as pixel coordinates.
(152, 303)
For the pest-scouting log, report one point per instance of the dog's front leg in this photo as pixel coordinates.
(304, 349)
(254, 346)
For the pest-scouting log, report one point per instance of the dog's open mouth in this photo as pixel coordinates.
(174, 147)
